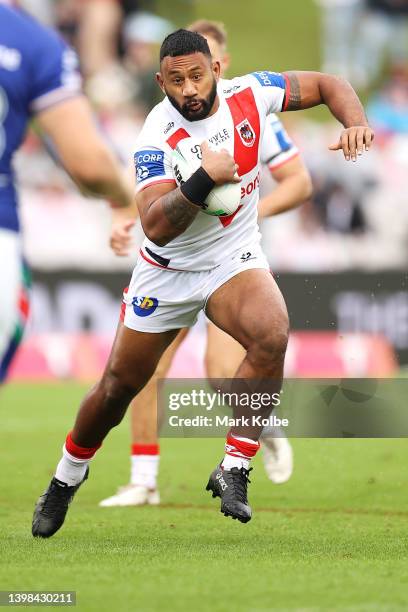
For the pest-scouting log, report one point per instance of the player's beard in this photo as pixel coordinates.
(206, 105)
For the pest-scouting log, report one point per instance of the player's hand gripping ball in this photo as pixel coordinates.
(222, 200)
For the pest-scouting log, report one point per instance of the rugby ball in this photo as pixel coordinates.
(223, 199)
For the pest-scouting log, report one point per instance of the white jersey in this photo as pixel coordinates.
(276, 147)
(238, 126)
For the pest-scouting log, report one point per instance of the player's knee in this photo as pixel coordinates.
(270, 349)
(118, 388)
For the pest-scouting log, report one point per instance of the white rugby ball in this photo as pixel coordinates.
(186, 159)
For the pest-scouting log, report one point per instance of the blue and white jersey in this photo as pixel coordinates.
(277, 147)
(37, 70)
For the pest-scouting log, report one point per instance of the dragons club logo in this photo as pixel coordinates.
(246, 133)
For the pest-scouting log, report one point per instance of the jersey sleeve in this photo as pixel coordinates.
(152, 156)
(271, 88)
(277, 148)
(54, 72)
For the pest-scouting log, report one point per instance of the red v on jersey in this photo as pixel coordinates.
(245, 116)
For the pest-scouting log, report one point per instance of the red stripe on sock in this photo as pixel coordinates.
(80, 452)
(145, 449)
(245, 449)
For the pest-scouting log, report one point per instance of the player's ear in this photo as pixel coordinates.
(216, 68)
(160, 81)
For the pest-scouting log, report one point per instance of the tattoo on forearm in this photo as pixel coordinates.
(178, 210)
(294, 102)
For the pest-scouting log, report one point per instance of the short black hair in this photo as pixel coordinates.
(183, 42)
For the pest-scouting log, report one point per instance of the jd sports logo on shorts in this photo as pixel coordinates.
(144, 306)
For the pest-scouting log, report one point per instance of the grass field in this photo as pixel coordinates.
(334, 538)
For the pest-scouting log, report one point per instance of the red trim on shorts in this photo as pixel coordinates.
(175, 138)
(157, 183)
(80, 452)
(154, 263)
(145, 449)
(123, 306)
(287, 93)
(285, 161)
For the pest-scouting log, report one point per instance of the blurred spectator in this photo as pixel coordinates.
(99, 35)
(143, 34)
(384, 35)
(388, 109)
(340, 22)
(43, 10)
(338, 209)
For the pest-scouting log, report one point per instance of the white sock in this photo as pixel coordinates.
(239, 462)
(70, 469)
(239, 452)
(144, 470)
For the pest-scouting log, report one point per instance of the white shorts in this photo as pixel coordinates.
(159, 300)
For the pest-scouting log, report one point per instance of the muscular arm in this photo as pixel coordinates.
(164, 212)
(82, 151)
(308, 89)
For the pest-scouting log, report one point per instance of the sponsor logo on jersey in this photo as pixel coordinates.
(231, 89)
(270, 79)
(144, 306)
(219, 137)
(168, 127)
(246, 133)
(149, 164)
(246, 190)
(178, 176)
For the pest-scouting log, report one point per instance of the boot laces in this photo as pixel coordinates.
(240, 480)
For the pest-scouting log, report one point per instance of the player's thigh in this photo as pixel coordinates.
(135, 355)
(251, 308)
(223, 354)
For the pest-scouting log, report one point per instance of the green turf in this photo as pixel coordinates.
(333, 538)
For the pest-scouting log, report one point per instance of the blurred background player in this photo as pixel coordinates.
(39, 78)
(223, 355)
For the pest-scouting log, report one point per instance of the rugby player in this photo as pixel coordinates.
(191, 261)
(223, 354)
(39, 78)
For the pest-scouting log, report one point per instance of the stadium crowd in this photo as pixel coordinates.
(359, 223)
